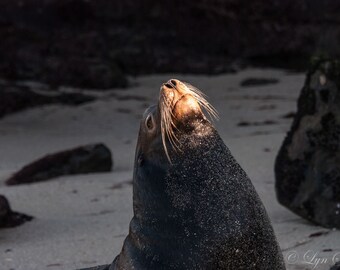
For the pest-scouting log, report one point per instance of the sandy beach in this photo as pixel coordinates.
(81, 221)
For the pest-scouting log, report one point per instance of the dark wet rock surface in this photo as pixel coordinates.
(94, 44)
(102, 267)
(84, 159)
(336, 266)
(9, 218)
(16, 98)
(307, 167)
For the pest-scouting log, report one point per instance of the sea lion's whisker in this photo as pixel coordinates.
(170, 131)
(201, 99)
(167, 127)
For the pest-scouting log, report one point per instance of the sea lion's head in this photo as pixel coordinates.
(180, 109)
(194, 207)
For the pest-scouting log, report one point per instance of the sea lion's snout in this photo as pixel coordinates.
(180, 107)
(180, 101)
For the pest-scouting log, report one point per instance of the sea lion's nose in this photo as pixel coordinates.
(174, 82)
(168, 85)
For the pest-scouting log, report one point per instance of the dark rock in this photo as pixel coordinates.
(102, 267)
(264, 123)
(250, 82)
(84, 159)
(51, 42)
(8, 218)
(307, 168)
(84, 73)
(95, 43)
(336, 266)
(327, 250)
(16, 98)
(317, 234)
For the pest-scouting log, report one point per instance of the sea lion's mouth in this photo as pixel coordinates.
(179, 104)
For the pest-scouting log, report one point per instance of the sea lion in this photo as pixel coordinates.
(194, 207)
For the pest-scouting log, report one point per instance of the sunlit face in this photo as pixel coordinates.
(179, 104)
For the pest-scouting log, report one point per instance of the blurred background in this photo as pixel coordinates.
(97, 44)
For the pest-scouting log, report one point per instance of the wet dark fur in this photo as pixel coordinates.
(201, 212)
(197, 211)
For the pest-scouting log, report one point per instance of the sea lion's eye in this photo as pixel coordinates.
(149, 122)
(140, 160)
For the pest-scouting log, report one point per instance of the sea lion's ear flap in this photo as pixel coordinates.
(150, 123)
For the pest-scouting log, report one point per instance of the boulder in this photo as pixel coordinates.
(9, 218)
(307, 168)
(84, 159)
(16, 98)
(336, 266)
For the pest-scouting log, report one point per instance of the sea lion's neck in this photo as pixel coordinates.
(153, 198)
